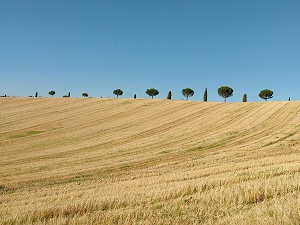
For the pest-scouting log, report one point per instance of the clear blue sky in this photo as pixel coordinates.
(101, 45)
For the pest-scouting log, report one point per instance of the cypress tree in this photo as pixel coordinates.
(36, 94)
(134, 96)
(245, 98)
(169, 95)
(69, 94)
(205, 95)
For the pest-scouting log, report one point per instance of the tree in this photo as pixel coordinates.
(85, 94)
(289, 99)
(245, 98)
(205, 95)
(152, 92)
(187, 92)
(225, 92)
(118, 92)
(36, 94)
(169, 95)
(266, 94)
(134, 96)
(52, 93)
(69, 94)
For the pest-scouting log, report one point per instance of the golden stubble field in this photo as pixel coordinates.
(126, 161)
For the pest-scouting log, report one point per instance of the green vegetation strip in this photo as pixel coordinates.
(26, 134)
(232, 135)
(282, 139)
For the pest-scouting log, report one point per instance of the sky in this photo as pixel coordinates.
(97, 46)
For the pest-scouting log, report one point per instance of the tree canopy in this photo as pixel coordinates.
(152, 92)
(187, 92)
(225, 92)
(118, 92)
(266, 94)
(85, 94)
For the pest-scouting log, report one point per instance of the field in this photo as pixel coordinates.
(126, 161)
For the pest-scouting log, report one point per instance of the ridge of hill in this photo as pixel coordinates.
(126, 161)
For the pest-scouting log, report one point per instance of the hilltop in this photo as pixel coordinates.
(126, 161)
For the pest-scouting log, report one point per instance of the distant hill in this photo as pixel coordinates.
(126, 161)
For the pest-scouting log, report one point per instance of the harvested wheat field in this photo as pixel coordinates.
(126, 161)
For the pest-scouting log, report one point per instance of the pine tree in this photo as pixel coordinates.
(225, 92)
(205, 95)
(187, 92)
(152, 92)
(118, 92)
(266, 94)
(169, 95)
(52, 93)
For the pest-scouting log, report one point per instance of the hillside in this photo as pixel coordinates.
(126, 161)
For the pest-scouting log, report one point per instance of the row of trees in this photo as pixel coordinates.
(224, 92)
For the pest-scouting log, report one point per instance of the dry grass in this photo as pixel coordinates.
(120, 161)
